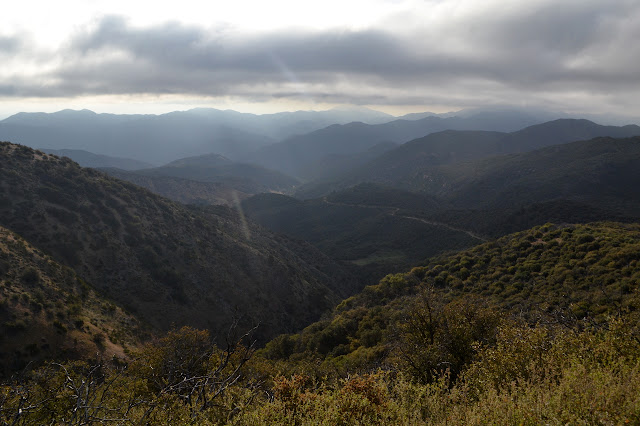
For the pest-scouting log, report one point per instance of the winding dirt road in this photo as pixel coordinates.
(393, 211)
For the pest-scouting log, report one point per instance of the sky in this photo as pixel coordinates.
(397, 56)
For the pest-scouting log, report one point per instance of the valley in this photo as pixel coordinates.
(393, 211)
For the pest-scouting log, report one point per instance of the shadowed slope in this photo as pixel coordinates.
(167, 263)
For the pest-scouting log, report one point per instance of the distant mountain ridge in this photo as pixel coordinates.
(409, 165)
(296, 154)
(148, 138)
(162, 138)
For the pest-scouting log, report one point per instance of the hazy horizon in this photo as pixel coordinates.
(602, 118)
(158, 110)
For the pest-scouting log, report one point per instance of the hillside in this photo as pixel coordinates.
(411, 165)
(184, 191)
(167, 263)
(549, 273)
(493, 223)
(577, 182)
(47, 312)
(371, 194)
(602, 171)
(214, 168)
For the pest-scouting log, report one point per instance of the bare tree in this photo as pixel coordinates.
(182, 371)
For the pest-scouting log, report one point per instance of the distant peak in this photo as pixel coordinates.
(200, 160)
(75, 111)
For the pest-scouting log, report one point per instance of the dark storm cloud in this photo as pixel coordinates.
(571, 46)
(195, 57)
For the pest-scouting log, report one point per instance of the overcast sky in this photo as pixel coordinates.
(265, 56)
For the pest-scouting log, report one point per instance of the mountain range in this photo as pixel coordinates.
(452, 189)
(409, 165)
(159, 139)
(298, 153)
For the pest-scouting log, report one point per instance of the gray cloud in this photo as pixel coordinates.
(9, 45)
(558, 49)
(193, 49)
